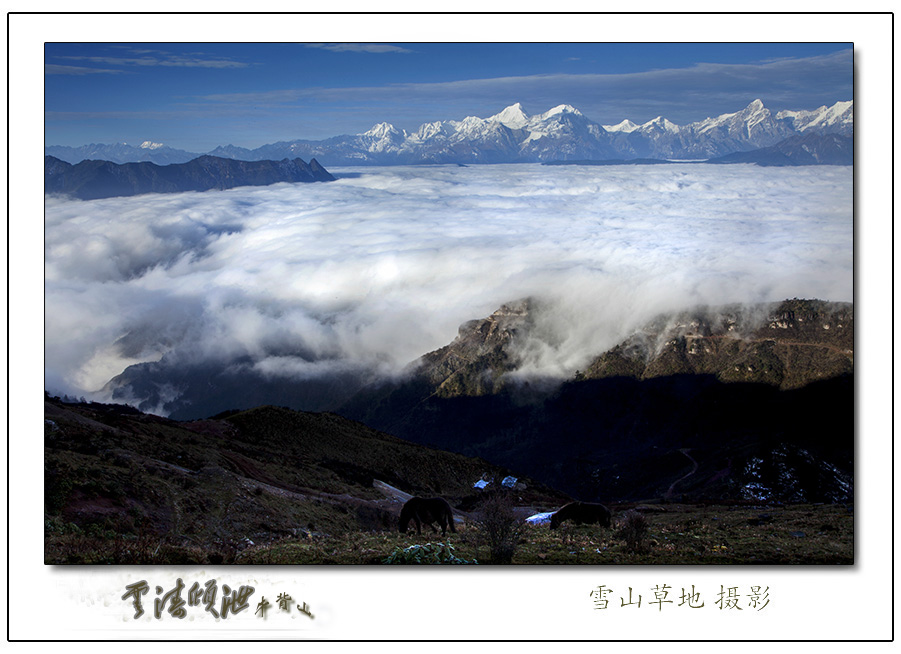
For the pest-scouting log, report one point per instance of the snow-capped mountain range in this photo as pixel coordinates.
(514, 136)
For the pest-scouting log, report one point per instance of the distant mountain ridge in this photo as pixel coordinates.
(514, 136)
(91, 180)
(810, 149)
(157, 153)
(804, 150)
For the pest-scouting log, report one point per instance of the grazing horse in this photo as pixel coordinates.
(427, 511)
(582, 513)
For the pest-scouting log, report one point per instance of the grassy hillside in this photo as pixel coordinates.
(123, 486)
(275, 486)
(676, 534)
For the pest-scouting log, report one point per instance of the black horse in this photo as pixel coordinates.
(582, 513)
(430, 510)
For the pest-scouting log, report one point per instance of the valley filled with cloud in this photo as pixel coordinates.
(367, 273)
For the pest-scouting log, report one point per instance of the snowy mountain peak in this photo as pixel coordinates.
(841, 107)
(756, 108)
(381, 130)
(431, 130)
(513, 136)
(469, 124)
(561, 109)
(624, 126)
(513, 117)
(754, 113)
(839, 116)
(383, 137)
(660, 123)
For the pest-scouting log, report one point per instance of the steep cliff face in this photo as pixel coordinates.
(483, 352)
(787, 345)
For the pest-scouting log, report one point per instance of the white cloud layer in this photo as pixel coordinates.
(383, 265)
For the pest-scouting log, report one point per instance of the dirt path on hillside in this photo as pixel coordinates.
(252, 477)
(694, 468)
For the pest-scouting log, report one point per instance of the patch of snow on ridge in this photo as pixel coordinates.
(150, 145)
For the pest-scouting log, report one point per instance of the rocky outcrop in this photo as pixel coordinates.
(476, 361)
(788, 345)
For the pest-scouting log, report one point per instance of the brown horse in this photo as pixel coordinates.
(427, 511)
(582, 513)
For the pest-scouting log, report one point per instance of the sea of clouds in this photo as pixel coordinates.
(383, 265)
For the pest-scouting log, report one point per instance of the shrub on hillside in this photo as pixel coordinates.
(499, 526)
(634, 530)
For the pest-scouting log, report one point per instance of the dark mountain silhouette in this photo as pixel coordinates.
(91, 180)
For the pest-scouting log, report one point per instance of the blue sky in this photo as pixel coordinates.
(198, 96)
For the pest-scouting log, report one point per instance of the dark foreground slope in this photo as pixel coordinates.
(92, 180)
(204, 490)
(273, 486)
